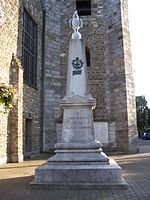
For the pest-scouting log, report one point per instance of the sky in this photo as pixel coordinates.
(139, 26)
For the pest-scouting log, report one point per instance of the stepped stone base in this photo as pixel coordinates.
(79, 176)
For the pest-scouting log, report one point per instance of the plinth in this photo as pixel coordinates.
(79, 162)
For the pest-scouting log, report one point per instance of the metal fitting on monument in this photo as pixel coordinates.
(76, 23)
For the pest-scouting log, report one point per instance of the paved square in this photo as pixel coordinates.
(15, 178)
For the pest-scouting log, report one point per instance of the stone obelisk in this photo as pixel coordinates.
(78, 161)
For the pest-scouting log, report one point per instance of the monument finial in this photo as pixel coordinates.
(76, 23)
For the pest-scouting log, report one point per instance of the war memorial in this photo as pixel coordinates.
(79, 161)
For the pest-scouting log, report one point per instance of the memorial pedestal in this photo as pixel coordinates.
(79, 162)
(79, 176)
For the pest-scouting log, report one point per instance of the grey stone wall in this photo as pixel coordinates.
(3, 136)
(11, 23)
(8, 44)
(130, 92)
(15, 119)
(120, 99)
(31, 95)
(52, 74)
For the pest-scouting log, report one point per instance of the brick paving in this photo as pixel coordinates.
(15, 178)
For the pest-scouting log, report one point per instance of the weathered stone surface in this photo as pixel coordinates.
(12, 128)
(78, 139)
(101, 132)
(8, 45)
(32, 95)
(120, 97)
(15, 147)
(83, 176)
(3, 136)
(52, 75)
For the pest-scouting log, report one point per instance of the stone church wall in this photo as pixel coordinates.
(120, 99)
(8, 44)
(11, 23)
(52, 74)
(32, 95)
(130, 92)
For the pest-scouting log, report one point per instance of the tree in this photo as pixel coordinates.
(148, 117)
(142, 113)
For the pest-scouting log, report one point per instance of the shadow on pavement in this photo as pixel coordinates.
(15, 179)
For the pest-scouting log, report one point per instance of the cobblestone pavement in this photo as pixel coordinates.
(15, 178)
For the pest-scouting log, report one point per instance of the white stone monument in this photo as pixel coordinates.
(79, 162)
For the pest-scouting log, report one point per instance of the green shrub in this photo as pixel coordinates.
(6, 96)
